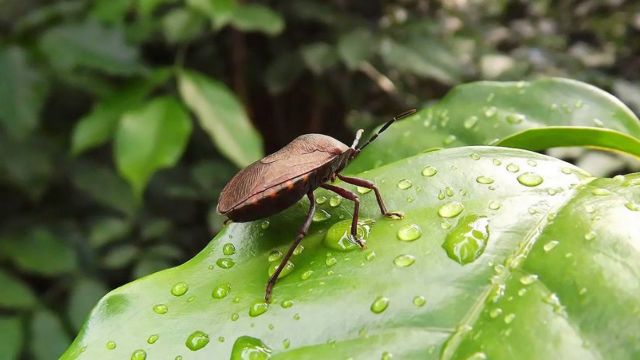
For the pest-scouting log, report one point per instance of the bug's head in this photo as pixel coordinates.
(355, 149)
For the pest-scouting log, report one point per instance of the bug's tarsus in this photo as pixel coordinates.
(386, 125)
(356, 209)
(301, 234)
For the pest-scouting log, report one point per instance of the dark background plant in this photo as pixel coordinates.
(88, 203)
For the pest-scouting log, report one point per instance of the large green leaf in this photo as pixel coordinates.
(22, 92)
(501, 253)
(222, 116)
(531, 115)
(151, 138)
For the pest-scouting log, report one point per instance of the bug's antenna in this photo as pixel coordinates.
(385, 126)
(357, 139)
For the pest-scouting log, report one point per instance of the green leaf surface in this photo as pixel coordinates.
(12, 336)
(222, 116)
(90, 45)
(22, 92)
(38, 251)
(254, 17)
(151, 138)
(48, 338)
(98, 127)
(500, 252)
(15, 293)
(510, 114)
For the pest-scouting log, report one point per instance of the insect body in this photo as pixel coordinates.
(279, 180)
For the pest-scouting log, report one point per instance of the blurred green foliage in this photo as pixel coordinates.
(121, 120)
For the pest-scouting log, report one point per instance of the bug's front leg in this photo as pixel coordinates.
(301, 234)
(370, 185)
(356, 209)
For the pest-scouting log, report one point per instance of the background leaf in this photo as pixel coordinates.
(16, 294)
(38, 251)
(12, 336)
(84, 294)
(22, 90)
(222, 116)
(355, 47)
(48, 338)
(254, 17)
(151, 138)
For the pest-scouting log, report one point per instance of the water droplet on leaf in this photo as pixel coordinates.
(467, 241)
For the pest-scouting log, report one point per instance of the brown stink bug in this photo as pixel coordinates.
(279, 180)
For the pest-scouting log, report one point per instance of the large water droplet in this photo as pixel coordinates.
(228, 249)
(221, 291)
(249, 348)
(404, 260)
(160, 309)
(288, 268)
(451, 209)
(467, 241)
(179, 289)
(321, 215)
(380, 304)
(409, 232)
(225, 263)
(530, 179)
(429, 171)
(197, 340)
(258, 309)
(338, 236)
(404, 184)
(139, 355)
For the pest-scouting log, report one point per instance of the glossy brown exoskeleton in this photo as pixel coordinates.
(279, 180)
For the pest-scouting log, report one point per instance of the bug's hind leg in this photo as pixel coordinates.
(370, 185)
(301, 233)
(356, 209)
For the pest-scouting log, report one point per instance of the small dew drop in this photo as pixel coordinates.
(550, 245)
(338, 237)
(451, 210)
(515, 118)
(470, 122)
(111, 345)
(494, 205)
(509, 318)
(475, 156)
(419, 301)
(409, 232)
(478, 356)
(484, 180)
(370, 255)
(179, 289)
(380, 304)
(306, 275)
(152, 339)
(530, 179)
(494, 313)
(197, 340)
(632, 206)
(335, 201)
(528, 279)
(139, 355)
(298, 250)
(275, 255)
(321, 215)
(235, 317)
(386, 356)
(258, 309)
(449, 140)
(362, 190)
(513, 168)
(404, 184)
(265, 225)
(590, 235)
(321, 199)
(228, 249)
(286, 304)
(404, 260)
(429, 171)
(220, 292)
(249, 348)
(288, 268)
(331, 261)
(490, 111)
(225, 263)
(160, 309)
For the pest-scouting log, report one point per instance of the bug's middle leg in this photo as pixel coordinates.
(301, 233)
(370, 185)
(356, 209)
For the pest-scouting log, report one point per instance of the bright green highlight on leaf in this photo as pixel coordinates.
(151, 138)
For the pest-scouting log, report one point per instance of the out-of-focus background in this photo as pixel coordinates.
(89, 201)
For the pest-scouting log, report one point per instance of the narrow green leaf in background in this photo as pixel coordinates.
(219, 11)
(38, 251)
(48, 337)
(12, 336)
(22, 92)
(104, 186)
(356, 47)
(90, 45)
(15, 293)
(151, 138)
(97, 127)
(222, 116)
(181, 25)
